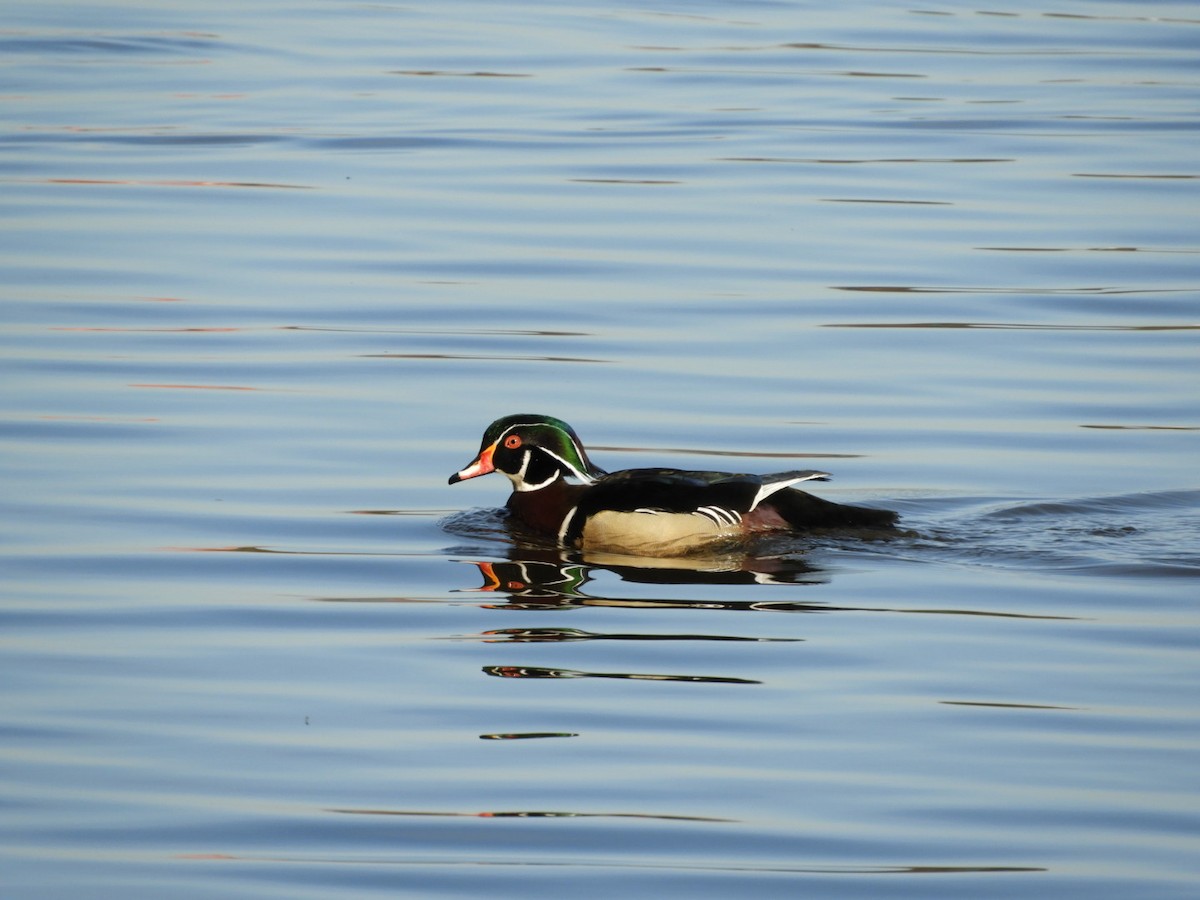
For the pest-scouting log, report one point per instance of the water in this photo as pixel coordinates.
(268, 272)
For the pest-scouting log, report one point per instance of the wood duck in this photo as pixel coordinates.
(558, 491)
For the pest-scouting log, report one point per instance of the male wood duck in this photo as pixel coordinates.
(558, 491)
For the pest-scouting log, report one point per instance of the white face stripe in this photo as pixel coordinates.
(526, 486)
(518, 477)
(582, 476)
(519, 480)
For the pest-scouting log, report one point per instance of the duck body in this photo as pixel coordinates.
(559, 492)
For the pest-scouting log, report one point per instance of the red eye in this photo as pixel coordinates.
(512, 442)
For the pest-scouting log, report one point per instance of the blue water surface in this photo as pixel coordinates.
(267, 272)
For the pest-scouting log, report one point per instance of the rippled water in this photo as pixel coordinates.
(269, 271)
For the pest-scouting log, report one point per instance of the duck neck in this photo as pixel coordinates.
(543, 508)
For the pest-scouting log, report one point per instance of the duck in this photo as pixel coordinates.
(557, 491)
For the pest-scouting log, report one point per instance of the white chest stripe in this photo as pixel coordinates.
(566, 524)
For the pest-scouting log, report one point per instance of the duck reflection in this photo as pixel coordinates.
(536, 575)
(526, 814)
(539, 578)
(540, 672)
(555, 635)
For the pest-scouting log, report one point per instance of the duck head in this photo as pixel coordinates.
(533, 451)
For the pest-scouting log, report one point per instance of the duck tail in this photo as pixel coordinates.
(804, 511)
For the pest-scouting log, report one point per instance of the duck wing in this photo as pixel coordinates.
(682, 491)
(715, 493)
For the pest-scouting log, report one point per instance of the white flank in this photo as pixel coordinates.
(653, 532)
